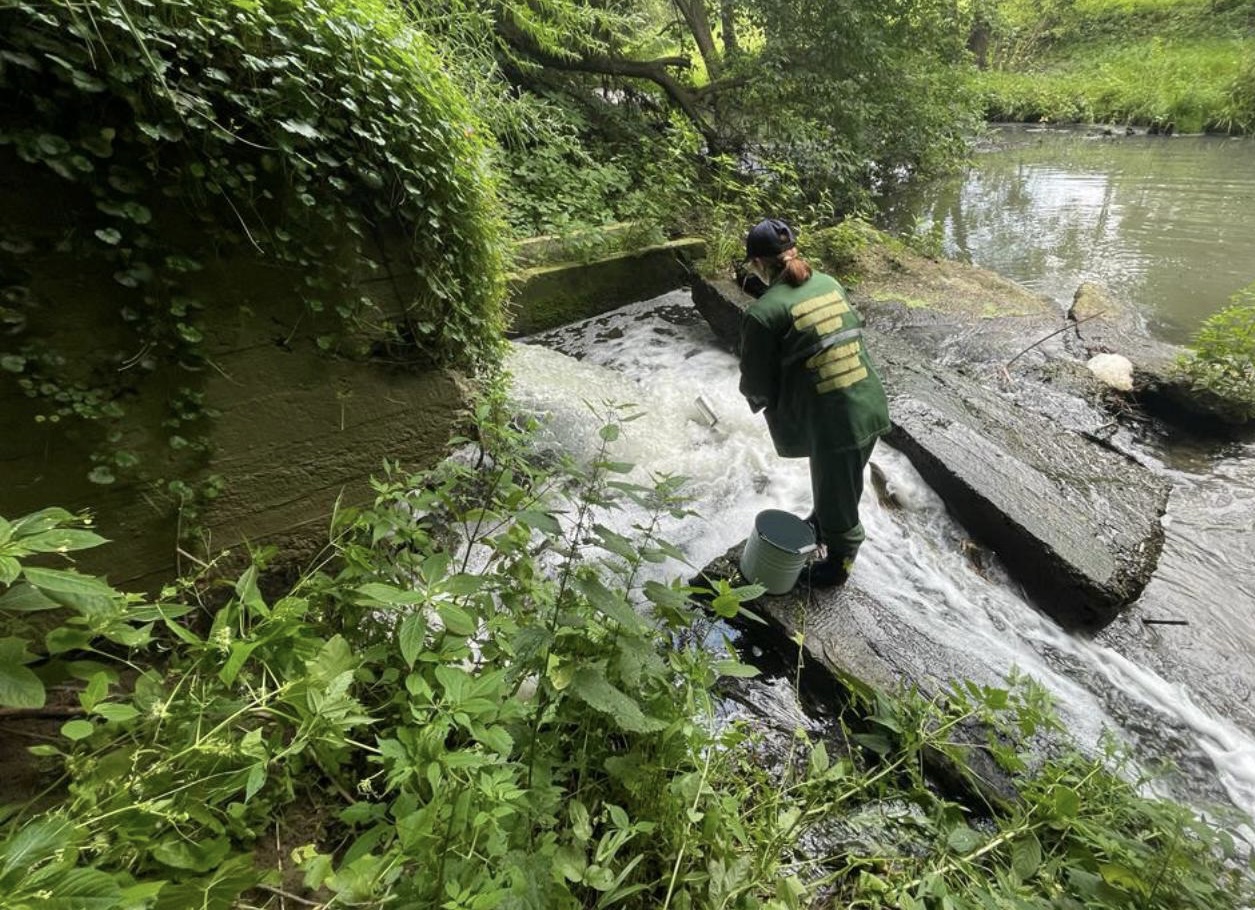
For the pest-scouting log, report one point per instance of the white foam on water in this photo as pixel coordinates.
(916, 561)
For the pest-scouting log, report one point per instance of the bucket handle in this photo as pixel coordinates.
(809, 548)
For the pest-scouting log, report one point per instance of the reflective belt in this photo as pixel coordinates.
(824, 344)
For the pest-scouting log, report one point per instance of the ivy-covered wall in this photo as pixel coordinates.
(242, 246)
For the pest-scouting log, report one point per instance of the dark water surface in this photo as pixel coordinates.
(1167, 223)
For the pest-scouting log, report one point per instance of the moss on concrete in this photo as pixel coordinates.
(548, 296)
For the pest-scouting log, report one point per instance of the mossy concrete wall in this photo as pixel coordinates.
(547, 296)
(298, 430)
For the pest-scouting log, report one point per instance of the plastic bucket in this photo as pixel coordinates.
(776, 552)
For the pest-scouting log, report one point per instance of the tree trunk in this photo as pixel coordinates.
(727, 17)
(695, 17)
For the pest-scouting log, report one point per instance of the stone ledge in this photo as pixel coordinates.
(548, 296)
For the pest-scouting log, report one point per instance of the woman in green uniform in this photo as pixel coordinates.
(804, 364)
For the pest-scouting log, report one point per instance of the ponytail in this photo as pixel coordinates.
(795, 270)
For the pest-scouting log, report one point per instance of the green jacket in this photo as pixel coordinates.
(803, 361)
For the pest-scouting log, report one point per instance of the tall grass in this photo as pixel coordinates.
(1192, 84)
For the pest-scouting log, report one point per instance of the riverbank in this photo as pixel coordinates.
(1183, 67)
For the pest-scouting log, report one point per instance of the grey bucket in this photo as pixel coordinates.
(776, 552)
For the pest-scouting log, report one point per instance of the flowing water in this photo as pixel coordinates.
(1168, 224)
(660, 355)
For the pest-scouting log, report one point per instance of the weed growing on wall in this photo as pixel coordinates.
(479, 698)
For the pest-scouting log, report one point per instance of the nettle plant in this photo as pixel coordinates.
(182, 135)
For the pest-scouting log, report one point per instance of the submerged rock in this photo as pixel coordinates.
(1077, 524)
(858, 640)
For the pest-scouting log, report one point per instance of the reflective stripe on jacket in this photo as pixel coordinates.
(804, 362)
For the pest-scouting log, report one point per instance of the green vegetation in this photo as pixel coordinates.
(178, 140)
(460, 706)
(1184, 66)
(1222, 362)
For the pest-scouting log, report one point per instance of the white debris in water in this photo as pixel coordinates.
(1113, 369)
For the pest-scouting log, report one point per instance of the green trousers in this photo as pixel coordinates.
(837, 485)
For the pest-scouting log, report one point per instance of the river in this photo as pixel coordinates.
(1180, 693)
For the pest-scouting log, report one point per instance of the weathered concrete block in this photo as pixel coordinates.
(552, 295)
(1077, 524)
(859, 641)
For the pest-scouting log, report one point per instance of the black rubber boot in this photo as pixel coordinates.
(829, 573)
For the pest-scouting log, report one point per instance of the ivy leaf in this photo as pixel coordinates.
(301, 128)
(101, 475)
(110, 236)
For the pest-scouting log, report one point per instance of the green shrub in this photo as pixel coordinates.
(1222, 362)
(481, 699)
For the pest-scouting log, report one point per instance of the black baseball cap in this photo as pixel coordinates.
(769, 237)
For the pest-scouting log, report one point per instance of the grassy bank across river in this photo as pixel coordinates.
(1173, 66)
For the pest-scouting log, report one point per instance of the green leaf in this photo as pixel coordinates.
(539, 521)
(963, 839)
(22, 598)
(43, 520)
(390, 594)
(300, 128)
(116, 712)
(77, 729)
(610, 432)
(65, 586)
(198, 857)
(62, 540)
(96, 689)
(82, 889)
(1066, 801)
(35, 843)
(240, 652)
(10, 568)
(612, 604)
(456, 620)
(19, 687)
(101, 475)
(735, 668)
(1026, 857)
(616, 543)
(592, 687)
(110, 236)
(412, 635)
